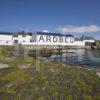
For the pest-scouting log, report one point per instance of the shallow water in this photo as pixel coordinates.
(85, 57)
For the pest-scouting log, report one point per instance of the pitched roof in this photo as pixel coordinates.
(78, 39)
(38, 33)
(88, 38)
(54, 34)
(6, 33)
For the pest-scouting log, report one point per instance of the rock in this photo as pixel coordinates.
(98, 74)
(4, 65)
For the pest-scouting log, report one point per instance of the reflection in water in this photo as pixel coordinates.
(79, 56)
(94, 56)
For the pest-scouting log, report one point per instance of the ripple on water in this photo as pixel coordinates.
(77, 56)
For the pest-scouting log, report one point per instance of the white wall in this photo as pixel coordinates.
(6, 40)
(24, 40)
(45, 41)
(79, 43)
(42, 40)
(90, 41)
(9, 40)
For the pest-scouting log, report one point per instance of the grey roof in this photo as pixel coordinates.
(14, 33)
(88, 38)
(54, 34)
(78, 39)
(6, 33)
(37, 33)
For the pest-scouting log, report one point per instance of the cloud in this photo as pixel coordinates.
(80, 29)
(45, 31)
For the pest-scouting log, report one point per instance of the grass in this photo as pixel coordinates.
(53, 81)
(19, 75)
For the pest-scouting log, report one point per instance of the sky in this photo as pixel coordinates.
(66, 16)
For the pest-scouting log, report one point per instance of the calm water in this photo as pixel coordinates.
(89, 58)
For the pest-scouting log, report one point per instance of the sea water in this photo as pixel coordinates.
(83, 57)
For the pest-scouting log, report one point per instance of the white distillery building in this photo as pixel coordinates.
(39, 38)
(6, 38)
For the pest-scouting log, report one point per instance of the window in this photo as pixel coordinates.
(15, 35)
(24, 35)
(34, 38)
(7, 41)
(15, 41)
(31, 40)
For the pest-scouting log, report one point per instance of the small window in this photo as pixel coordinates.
(15, 35)
(15, 41)
(7, 41)
(31, 40)
(24, 35)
